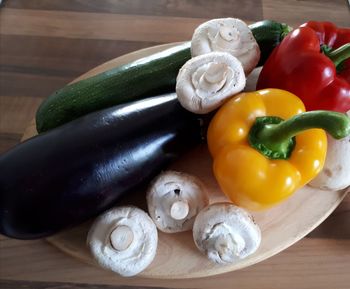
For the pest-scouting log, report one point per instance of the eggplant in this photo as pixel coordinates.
(72, 173)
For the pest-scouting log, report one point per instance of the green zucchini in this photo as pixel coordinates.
(268, 34)
(152, 75)
(148, 76)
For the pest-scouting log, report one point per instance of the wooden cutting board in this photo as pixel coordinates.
(177, 256)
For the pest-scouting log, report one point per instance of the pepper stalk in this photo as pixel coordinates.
(338, 56)
(274, 137)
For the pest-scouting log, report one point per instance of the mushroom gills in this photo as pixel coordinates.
(206, 81)
(225, 233)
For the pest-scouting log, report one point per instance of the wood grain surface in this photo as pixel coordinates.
(4, 284)
(44, 44)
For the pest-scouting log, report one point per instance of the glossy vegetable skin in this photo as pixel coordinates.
(259, 159)
(72, 173)
(308, 62)
(332, 37)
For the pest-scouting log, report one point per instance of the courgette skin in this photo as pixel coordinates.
(74, 172)
(268, 34)
(148, 76)
(151, 75)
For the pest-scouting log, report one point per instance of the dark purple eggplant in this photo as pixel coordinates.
(74, 172)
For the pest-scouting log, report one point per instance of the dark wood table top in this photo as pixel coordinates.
(45, 44)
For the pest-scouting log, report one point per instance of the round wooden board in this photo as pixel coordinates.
(177, 255)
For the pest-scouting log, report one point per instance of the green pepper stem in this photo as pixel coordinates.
(275, 138)
(340, 54)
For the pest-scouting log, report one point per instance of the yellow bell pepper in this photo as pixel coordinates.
(259, 159)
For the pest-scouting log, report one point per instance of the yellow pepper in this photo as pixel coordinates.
(260, 159)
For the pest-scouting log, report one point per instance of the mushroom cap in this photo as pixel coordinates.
(226, 233)
(230, 35)
(174, 199)
(206, 81)
(134, 240)
(335, 174)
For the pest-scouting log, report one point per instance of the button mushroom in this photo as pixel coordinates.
(227, 35)
(225, 233)
(335, 174)
(206, 81)
(174, 199)
(123, 240)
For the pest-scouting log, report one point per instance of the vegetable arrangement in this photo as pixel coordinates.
(145, 77)
(105, 137)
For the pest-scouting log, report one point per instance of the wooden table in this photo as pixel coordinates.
(45, 44)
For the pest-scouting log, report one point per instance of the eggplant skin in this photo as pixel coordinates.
(74, 172)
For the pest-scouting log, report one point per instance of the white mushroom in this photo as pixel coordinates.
(174, 199)
(335, 174)
(227, 35)
(225, 233)
(123, 240)
(206, 81)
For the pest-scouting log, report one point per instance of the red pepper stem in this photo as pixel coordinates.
(340, 54)
(273, 136)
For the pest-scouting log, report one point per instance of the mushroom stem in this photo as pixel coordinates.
(214, 78)
(174, 199)
(228, 37)
(121, 238)
(229, 243)
(222, 245)
(179, 210)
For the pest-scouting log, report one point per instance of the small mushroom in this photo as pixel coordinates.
(123, 240)
(174, 199)
(206, 81)
(225, 233)
(227, 35)
(335, 174)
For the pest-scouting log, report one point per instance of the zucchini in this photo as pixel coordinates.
(268, 34)
(76, 171)
(148, 76)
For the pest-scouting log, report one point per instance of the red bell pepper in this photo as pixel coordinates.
(312, 62)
